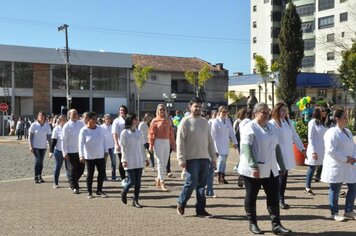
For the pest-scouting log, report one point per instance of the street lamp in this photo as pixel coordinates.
(68, 96)
(273, 82)
(169, 100)
(259, 90)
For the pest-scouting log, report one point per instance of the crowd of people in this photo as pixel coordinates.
(263, 138)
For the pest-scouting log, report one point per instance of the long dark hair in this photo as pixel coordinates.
(129, 118)
(317, 116)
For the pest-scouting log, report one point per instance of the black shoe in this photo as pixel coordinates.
(136, 204)
(309, 192)
(317, 179)
(180, 209)
(255, 229)
(37, 181)
(101, 194)
(76, 191)
(41, 180)
(284, 206)
(280, 230)
(204, 214)
(124, 197)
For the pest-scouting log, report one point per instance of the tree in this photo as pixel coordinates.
(198, 79)
(291, 47)
(236, 98)
(347, 72)
(262, 69)
(140, 75)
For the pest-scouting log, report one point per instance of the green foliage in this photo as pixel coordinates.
(291, 47)
(302, 130)
(141, 75)
(236, 98)
(198, 79)
(347, 69)
(261, 66)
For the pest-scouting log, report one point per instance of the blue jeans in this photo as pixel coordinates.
(309, 176)
(134, 179)
(197, 172)
(221, 163)
(113, 163)
(58, 162)
(210, 181)
(334, 197)
(39, 156)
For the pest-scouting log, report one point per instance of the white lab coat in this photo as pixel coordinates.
(221, 133)
(263, 149)
(338, 146)
(286, 137)
(315, 143)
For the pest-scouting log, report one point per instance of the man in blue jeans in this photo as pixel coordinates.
(195, 150)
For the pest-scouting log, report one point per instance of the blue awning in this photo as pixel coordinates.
(317, 80)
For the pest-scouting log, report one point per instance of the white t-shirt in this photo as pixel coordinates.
(92, 143)
(57, 134)
(40, 133)
(109, 139)
(70, 133)
(118, 126)
(132, 148)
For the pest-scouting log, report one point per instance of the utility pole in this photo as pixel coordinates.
(68, 96)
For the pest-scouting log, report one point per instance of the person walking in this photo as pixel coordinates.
(70, 149)
(40, 134)
(27, 125)
(92, 151)
(212, 166)
(161, 139)
(286, 137)
(110, 143)
(339, 166)
(261, 156)
(20, 127)
(144, 127)
(316, 148)
(56, 149)
(222, 133)
(195, 150)
(118, 126)
(133, 157)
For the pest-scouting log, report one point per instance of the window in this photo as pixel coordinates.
(266, 1)
(254, 24)
(5, 74)
(341, 1)
(308, 61)
(110, 78)
(277, 2)
(254, 8)
(306, 10)
(308, 27)
(326, 4)
(23, 75)
(326, 22)
(309, 44)
(254, 55)
(342, 34)
(322, 93)
(330, 38)
(330, 56)
(301, 92)
(275, 48)
(276, 16)
(343, 17)
(254, 40)
(275, 32)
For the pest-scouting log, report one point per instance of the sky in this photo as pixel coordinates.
(215, 31)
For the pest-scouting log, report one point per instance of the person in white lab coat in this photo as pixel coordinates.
(316, 148)
(258, 165)
(222, 132)
(286, 137)
(339, 166)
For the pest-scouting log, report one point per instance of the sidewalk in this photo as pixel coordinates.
(37, 209)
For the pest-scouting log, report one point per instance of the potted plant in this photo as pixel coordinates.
(302, 130)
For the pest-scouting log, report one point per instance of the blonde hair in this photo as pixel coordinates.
(158, 107)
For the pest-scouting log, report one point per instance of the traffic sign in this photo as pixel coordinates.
(4, 107)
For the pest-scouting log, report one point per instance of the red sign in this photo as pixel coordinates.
(4, 107)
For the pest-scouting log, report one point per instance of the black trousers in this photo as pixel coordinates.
(75, 170)
(100, 166)
(282, 186)
(271, 188)
(121, 168)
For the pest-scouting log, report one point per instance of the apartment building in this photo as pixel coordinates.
(328, 28)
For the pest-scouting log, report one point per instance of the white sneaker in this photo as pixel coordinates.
(350, 215)
(338, 218)
(55, 186)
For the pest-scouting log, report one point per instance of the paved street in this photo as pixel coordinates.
(37, 209)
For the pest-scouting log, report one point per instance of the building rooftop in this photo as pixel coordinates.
(170, 63)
